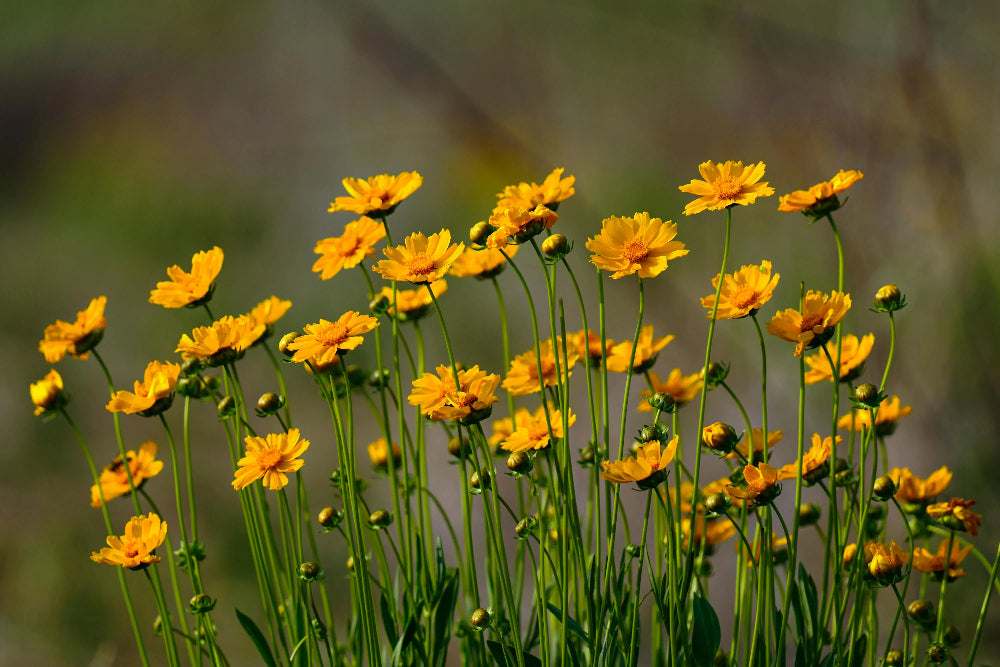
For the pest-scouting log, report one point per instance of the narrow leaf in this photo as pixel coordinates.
(571, 623)
(705, 632)
(257, 637)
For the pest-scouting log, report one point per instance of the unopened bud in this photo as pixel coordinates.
(889, 298)
(227, 407)
(268, 404)
(287, 340)
(884, 488)
(555, 246)
(480, 618)
(719, 437)
(519, 462)
(310, 572)
(480, 232)
(867, 394)
(717, 503)
(379, 519)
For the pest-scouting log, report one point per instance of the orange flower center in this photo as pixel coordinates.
(332, 335)
(420, 265)
(130, 549)
(744, 298)
(635, 251)
(727, 188)
(811, 322)
(269, 458)
(538, 432)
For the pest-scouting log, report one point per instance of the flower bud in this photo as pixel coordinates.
(201, 604)
(269, 403)
(894, 658)
(380, 305)
(287, 340)
(717, 373)
(952, 636)
(705, 568)
(809, 513)
(657, 432)
(329, 517)
(922, 611)
(717, 503)
(480, 232)
(525, 527)
(310, 572)
(719, 437)
(663, 402)
(480, 618)
(884, 488)
(519, 462)
(937, 653)
(378, 379)
(555, 246)
(459, 447)
(350, 563)
(480, 481)
(587, 455)
(227, 407)
(356, 376)
(868, 395)
(849, 552)
(889, 298)
(191, 367)
(379, 519)
(633, 550)
(195, 386)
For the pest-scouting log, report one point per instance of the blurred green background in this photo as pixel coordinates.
(133, 135)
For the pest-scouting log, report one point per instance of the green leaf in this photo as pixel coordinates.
(571, 623)
(829, 661)
(444, 612)
(257, 637)
(295, 651)
(705, 632)
(503, 655)
(408, 633)
(859, 648)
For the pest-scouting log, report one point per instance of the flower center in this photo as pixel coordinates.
(811, 322)
(269, 458)
(744, 298)
(333, 335)
(420, 265)
(130, 549)
(635, 251)
(538, 432)
(727, 188)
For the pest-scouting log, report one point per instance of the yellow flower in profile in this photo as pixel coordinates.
(754, 442)
(913, 489)
(726, 184)
(743, 292)
(482, 262)
(134, 549)
(523, 376)
(853, 354)
(938, 563)
(710, 531)
(189, 289)
(814, 462)
(533, 431)
(635, 245)
(421, 259)
(648, 467)
(377, 196)
(955, 514)
(151, 396)
(588, 345)
(517, 225)
(76, 339)
(413, 303)
(113, 479)
(889, 413)
(270, 458)
(269, 311)
(681, 388)
(224, 341)
(761, 485)
(552, 190)
(820, 199)
(378, 454)
(645, 352)
(349, 249)
(885, 562)
(47, 394)
(502, 428)
(814, 325)
(325, 340)
(439, 398)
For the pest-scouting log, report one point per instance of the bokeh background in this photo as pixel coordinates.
(133, 135)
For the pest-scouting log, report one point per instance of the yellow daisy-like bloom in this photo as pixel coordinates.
(711, 531)
(885, 562)
(635, 245)
(762, 485)
(523, 376)
(421, 260)
(134, 549)
(821, 194)
(853, 354)
(481, 263)
(325, 340)
(889, 413)
(645, 352)
(938, 563)
(76, 339)
(725, 185)
(814, 325)
(47, 394)
(517, 225)
(743, 292)
(552, 190)
(755, 444)
(378, 453)
(439, 398)
(955, 514)
(413, 303)
(681, 388)
(502, 428)
(588, 345)
(533, 431)
(114, 478)
(648, 467)
(270, 458)
(913, 489)
(377, 196)
(189, 289)
(814, 461)
(269, 311)
(224, 341)
(349, 249)
(157, 386)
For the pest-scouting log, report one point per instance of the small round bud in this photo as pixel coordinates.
(350, 563)
(889, 298)
(227, 407)
(201, 604)
(356, 376)
(380, 305)
(663, 402)
(519, 462)
(705, 568)
(480, 481)
(884, 488)
(459, 447)
(876, 511)
(922, 611)
(555, 246)
(587, 455)
(867, 394)
(525, 527)
(480, 232)
(937, 653)
(809, 513)
(719, 437)
(894, 658)
(191, 367)
(633, 550)
(193, 386)
(480, 618)
(717, 503)
(379, 519)
(287, 340)
(329, 517)
(268, 404)
(310, 572)
(952, 636)
(844, 478)
(378, 379)
(717, 373)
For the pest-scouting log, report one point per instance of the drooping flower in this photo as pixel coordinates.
(189, 289)
(885, 562)
(814, 325)
(889, 413)
(523, 375)
(134, 549)
(224, 341)
(635, 245)
(47, 394)
(151, 396)
(751, 445)
(815, 462)
(681, 388)
(349, 249)
(76, 339)
(533, 430)
(270, 458)
(915, 490)
(421, 259)
(378, 453)
(377, 196)
(518, 225)
(821, 198)
(761, 485)
(724, 185)
(955, 514)
(743, 292)
(648, 467)
(325, 340)
(413, 304)
(852, 358)
(552, 190)
(645, 352)
(439, 398)
(938, 563)
(481, 262)
(113, 479)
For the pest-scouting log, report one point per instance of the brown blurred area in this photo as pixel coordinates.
(133, 135)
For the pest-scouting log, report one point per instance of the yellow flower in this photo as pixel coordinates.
(481, 262)
(648, 467)
(936, 564)
(421, 260)
(725, 185)
(533, 431)
(889, 412)
(270, 458)
(913, 489)
(681, 388)
(47, 394)
(413, 303)
(157, 386)
(756, 444)
(635, 245)
(502, 428)
(377, 196)
(523, 376)
(852, 357)
(885, 562)
(645, 353)
(814, 462)
(743, 292)
(711, 531)
(224, 341)
(820, 198)
(519, 224)
(588, 345)
(439, 398)
(955, 514)
(762, 485)
(553, 190)
(189, 289)
(114, 478)
(134, 549)
(76, 339)
(815, 324)
(378, 453)
(269, 311)
(325, 340)
(349, 249)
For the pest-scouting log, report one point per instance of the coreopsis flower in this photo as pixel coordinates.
(412, 304)
(761, 485)
(853, 354)
(502, 428)
(189, 289)
(378, 454)
(47, 394)
(325, 340)
(751, 445)
(635, 245)
(439, 398)
(885, 562)
(710, 531)
(682, 388)
(421, 259)
(78, 338)
(134, 549)
(779, 549)
(349, 249)
(956, 515)
(815, 462)
(915, 490)
(645, 352)
(523, 376)
(377, 196)
(481, 262)
(552, 190)
(113, 479)
(937, 564)
(533, 430)
(889, 413)
(743, 292)
(270, 458)
(814, 325)
(224, 341)
(518, 225)
(648, 467)
(821, 198)
(268, 312)
(151, 396)
(726, 184)
(719, 437)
